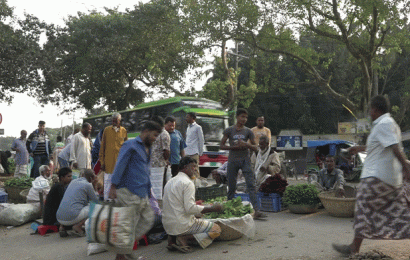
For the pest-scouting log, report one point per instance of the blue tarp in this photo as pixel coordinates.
(315, 143)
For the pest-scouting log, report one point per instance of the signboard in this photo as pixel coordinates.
(361, 126)
(1, 131)
(289, 143)
(346, 128)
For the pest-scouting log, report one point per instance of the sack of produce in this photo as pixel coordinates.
(235, 220)
(18, 214)
(111, 225)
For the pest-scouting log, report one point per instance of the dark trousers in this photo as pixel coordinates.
(39, 160)
(232, 176)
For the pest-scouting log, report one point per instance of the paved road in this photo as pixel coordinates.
(282, 236)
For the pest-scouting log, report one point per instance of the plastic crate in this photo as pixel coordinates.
(211, 192)
(269, 202)
(244, 196)
(3, 197)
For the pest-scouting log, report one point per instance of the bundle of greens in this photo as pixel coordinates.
(231, 208)
(274, 184)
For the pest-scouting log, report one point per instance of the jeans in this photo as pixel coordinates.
(63, 163)
(39, 160)
(232, 175)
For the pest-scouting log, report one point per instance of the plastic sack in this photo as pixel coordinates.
(234, 228)
(96, 248)
(111, 225)
(18, 214)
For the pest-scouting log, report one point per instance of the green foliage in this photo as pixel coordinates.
(20, 54)
(231, 208)
(301, 194)
(117, 59)
(12, 165)
(24, 182)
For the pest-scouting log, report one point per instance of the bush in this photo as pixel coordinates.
(24, 182)
(301, 194)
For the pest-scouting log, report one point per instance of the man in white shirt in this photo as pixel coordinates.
(80, 153)
(382, 210)
(179, 209)
(194, 139)
(42, 184)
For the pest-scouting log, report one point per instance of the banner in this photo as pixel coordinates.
(289, 143)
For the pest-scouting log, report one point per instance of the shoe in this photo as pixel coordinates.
(259, 215)
(63, 233)
(342, 249)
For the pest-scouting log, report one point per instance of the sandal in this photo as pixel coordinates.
(78, 234)
(342, 249)
(183, 249)
(171, 248)
(63, 233)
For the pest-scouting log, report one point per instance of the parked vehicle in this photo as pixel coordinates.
(319, 149)
(210, 115)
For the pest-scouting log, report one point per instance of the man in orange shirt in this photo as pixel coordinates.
(260, 130)
(113, 138)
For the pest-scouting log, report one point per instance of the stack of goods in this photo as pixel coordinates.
(270, 193)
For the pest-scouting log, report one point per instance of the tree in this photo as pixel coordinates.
(106, 59)
(366, 28)
(20, 53)
(214, 23)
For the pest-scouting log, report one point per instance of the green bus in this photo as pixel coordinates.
(210, 115)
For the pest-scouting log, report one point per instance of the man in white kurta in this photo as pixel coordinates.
(80, 154)
(179, 210)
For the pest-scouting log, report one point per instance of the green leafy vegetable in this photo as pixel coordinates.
(232, 208)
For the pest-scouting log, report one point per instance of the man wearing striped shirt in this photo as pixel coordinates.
(39, 147)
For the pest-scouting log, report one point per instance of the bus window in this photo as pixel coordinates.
(212, 127)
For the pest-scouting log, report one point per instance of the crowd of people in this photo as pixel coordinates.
(115, 168)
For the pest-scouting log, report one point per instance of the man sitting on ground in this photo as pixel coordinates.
(330, 178)
(179, 209)
(265, 163)
(54, 198)
(40, 184)
(74, 206)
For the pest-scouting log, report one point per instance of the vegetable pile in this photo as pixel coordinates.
(274, 184)
(231, 208)
(24, 182)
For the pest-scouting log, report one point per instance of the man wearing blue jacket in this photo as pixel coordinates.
(39, 147)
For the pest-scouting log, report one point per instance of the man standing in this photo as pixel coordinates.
(260, 130)
(177, 144)
(130, 182)
(331, 178)
(265, 162)
(161, 146)
(113, 138)
(194, 140)
(39, 147)
(239, 157)
(21, 158)
(80, 153)
(70, 137)
(178, 216)
(382, 209)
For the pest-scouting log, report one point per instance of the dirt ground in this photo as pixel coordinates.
(282, 236)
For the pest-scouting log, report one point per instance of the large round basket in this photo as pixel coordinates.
(338, 207)
(228, 233)
(14, 194)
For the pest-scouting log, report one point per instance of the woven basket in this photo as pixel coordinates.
(228, 233)
(338, 207)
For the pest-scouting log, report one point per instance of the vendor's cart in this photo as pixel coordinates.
(319, 149)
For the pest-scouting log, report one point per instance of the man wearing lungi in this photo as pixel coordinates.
(382, 208)
(179, 209)
(131, 184)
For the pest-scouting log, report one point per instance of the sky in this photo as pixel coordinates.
(25, 112)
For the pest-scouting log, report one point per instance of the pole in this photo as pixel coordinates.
(235, 104)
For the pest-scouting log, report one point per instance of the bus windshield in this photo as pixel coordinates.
(212, 127)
